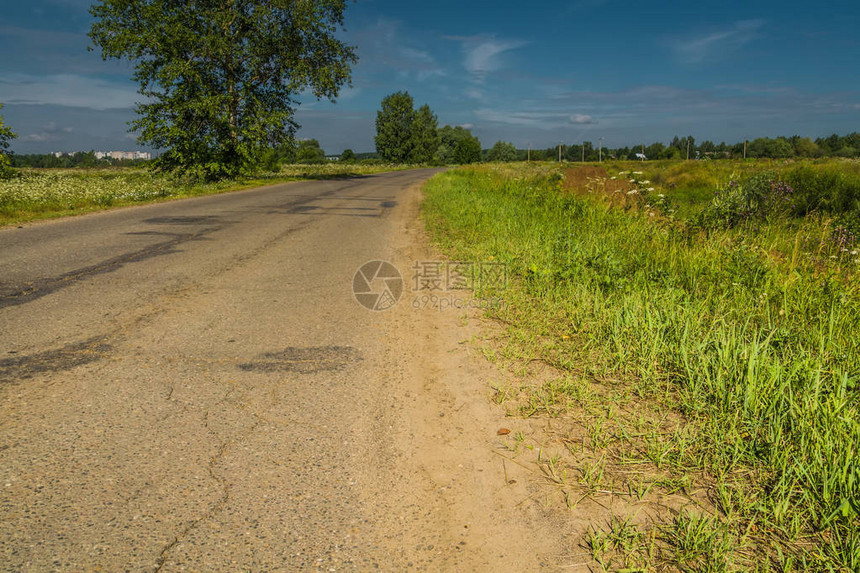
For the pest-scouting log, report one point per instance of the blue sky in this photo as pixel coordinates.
(530, 73)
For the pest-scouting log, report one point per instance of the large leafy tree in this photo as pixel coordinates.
(425, 135)
(394, 128)
(6, 135)
(220, 78)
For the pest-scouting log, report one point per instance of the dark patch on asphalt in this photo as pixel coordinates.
(187, 220)
(370, 212)
(388, 204)
(42, 287)
(57, 360)
(305, 360)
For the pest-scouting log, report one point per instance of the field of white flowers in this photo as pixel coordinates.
(39, 193)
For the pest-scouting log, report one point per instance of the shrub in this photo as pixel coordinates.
(760, 197)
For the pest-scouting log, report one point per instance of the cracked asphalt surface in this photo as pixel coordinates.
(192, 386)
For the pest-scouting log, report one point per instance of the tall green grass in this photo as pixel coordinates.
(825, 185)
(759, 351)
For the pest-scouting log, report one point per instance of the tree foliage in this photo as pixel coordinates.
(310, 152)
(220, 78)
(6, 135)
(404, 135)
(425, 136)
(503, 151)
(458, 145)
(394, 128)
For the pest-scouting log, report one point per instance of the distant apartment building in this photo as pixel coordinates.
(123, 155)
(112, 154)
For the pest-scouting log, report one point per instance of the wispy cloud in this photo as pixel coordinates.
(385, 47)
(543, 119)
(717, 44)
(483, 54)
(475, 94)
(657, 112)
(69, 90)
(49, 132)
(44, 128)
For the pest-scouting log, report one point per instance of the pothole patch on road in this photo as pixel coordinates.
(305, 360)
(65, 358)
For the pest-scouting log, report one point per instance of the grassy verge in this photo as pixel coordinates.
(725, 362)
(49, 193)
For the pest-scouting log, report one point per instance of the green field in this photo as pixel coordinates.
(701, 320)
(46, 193)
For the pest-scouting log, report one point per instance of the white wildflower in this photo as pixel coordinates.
(650, 189)
(637, 173)
(633, 192)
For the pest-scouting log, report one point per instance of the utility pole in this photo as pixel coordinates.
(583, 152)
(688, 149)
(529, 155)
(559, 152)
(600, 151)
(745, 147)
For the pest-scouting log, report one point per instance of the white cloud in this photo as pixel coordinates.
(48, 132)
(475, 93)
(40, 137)
(69, 90)
(717, 44)
(581, 119)
(482, 54)
(386, 46)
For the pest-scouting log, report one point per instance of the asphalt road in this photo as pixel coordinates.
(192, 386)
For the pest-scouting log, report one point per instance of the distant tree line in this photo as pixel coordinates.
(687, 147)
(84, 159)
